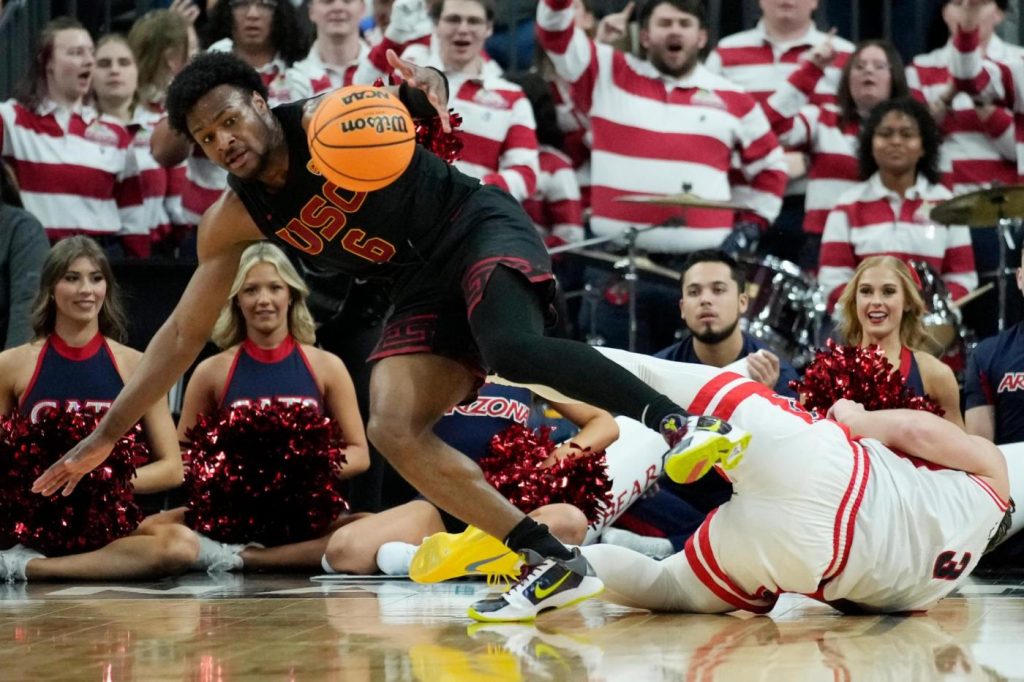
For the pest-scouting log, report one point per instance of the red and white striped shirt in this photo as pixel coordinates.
(204, 180)
(555, 207)
(653, 134)
(77, 173)
(818, 131)
(761, 66)
(974, 152)
(376, 65)
(313, 75)
(498, 130)
(871, 220)
(992, 81)
(153, 182)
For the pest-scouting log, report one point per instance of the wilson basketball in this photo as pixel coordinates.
(361, 138)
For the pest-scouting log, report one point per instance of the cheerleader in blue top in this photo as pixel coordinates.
(75, 362)
(882, 306)
(267, 333)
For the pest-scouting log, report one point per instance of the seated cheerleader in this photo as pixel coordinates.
(882, 306)
(388, 540)
(76, 363)
(267, 331)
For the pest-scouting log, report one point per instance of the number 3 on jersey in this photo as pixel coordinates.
(323, 219)
(948, 568)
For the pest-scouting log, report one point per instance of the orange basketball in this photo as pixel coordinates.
(361, 138)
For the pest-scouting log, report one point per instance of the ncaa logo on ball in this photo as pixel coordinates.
(360, 95)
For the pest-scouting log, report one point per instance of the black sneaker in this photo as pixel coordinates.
(544, 584)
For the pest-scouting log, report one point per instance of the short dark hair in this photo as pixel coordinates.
(694, 7)
(897, 74)
(928, 165)
(488, 5)
(203, 74)
(736, 270)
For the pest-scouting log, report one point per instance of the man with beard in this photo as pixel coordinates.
(712, 302)
(661, 126)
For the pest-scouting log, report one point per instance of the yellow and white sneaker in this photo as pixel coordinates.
(704, 442)
(445, 556)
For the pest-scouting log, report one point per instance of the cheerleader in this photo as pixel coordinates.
(75, 362)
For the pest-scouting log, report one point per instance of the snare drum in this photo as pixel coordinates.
(785, 307)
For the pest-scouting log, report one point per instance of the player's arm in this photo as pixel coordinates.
(342, 406)
(224, 232)
(928, 437)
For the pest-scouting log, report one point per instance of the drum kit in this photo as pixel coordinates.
(786, 306)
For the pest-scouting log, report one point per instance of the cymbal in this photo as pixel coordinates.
(684, 199)
(643, 263)
(983, 208)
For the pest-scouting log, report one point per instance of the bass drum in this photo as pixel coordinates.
(785, 308)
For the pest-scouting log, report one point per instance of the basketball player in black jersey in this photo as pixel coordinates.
(470, 283)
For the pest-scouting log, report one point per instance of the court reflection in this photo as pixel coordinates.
(400, 631)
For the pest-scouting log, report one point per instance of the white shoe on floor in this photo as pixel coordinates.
(217, 557)
(394, 558)
(656, 548)
(13, 562)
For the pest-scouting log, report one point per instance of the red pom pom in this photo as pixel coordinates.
(513, 468)
(264, 473)
(861, 374)
(102, 507)
(431, 135)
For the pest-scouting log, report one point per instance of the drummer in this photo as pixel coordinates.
(712, 302)
(888, 212)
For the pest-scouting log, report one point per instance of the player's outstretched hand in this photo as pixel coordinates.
(428, 80)
(67, 471)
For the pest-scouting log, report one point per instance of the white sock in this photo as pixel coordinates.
(326, 565)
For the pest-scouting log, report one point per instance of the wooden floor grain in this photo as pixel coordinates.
(281, 628)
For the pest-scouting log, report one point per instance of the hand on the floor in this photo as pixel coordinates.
(67, 471)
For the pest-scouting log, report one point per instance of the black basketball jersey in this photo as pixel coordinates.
(364, 234)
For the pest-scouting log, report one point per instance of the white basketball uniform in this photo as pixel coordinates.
(847, 521)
